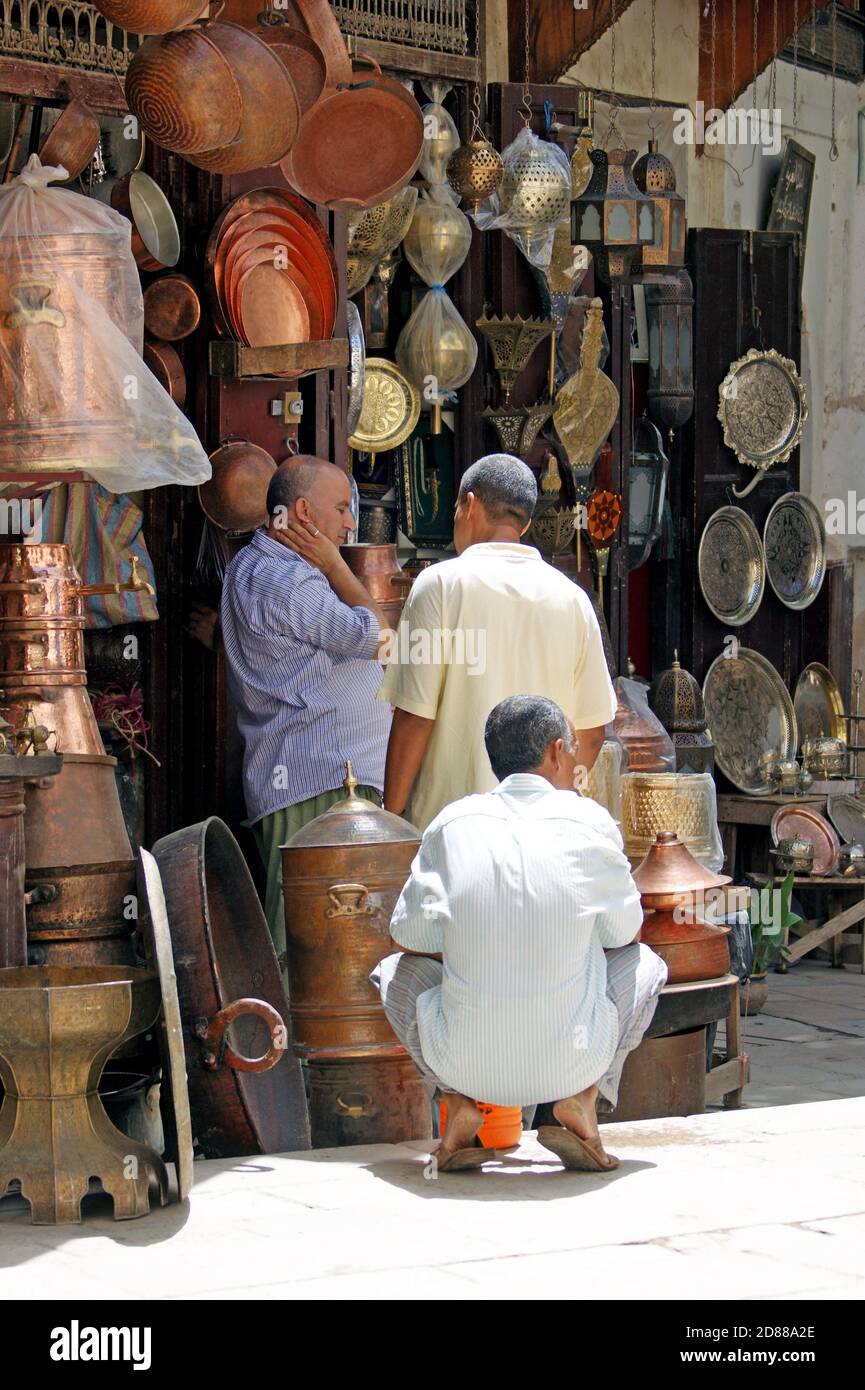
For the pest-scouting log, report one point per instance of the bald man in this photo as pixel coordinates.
(302, 642)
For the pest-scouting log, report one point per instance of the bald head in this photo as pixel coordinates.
(315, 490)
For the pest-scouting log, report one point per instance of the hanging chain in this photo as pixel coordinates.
(754, 45)
(526, 107)
(652, 102)
(477, 133)
(773, 89)
(813, 27)
(733, 55)
(714, 13)
(614, 107)
(833, 144)
(795, 60)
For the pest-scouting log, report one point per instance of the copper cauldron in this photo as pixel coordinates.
(342, 874)
(55, 406)
(673, 885)
(378, 570)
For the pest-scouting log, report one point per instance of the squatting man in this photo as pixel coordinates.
(520, 978)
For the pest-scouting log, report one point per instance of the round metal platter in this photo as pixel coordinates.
(356, 366)
(794, 542)
(818, 705)
(791, 821)
(749, 712)
(175, 1095)
(731, 567)
(847, 814)
(270, 307)
(301, 248)
(390, 411)
(762, 408)
(297, 261)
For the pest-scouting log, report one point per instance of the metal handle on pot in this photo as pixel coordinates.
(218, 1053)
(341, 895)
(356, 1104)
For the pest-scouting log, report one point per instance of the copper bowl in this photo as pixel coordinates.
(172, 308)
(72, 142)
(235, 497)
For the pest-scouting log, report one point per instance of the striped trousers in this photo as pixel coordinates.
(635, 978)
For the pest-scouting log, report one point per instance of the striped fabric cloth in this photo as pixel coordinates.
(521, 889)
(304, 679)
(103, 532)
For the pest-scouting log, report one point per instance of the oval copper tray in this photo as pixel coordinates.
(749, 712)
(391, 408)
(270, 307)
(730, 565)
(302, 249)
(790, 821)
(794, 542)
(297, 266)
(818, 704)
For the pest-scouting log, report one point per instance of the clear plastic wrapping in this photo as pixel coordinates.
(534, 196)
(76, 395)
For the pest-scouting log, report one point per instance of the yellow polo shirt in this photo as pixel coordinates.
(496, 621)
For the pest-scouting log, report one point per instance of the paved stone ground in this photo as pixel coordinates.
(809, 1043)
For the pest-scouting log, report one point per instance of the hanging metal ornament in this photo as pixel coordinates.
(655, 176)
(475, 169)
(833, 143)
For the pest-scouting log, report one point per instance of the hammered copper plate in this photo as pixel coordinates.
(749, 712)
(264, 255)
(391, 408)
(794, 541)
(731, 567)
(818, 705)
(302, 251)
(790, 821)
(295, 262)
(271, 309)
(847, 814)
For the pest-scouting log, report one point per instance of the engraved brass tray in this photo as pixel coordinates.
(794, 541)
(762, 409)
(749, 713)
(731, 567)
(818, 705)
(390, 411)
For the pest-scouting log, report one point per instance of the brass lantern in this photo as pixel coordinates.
(669, 311)
(613, 218)
(655, 176)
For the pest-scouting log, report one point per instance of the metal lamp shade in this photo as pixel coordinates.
(612, 217)
(669, 310)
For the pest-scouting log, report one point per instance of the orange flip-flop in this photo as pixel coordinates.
(576, 1154)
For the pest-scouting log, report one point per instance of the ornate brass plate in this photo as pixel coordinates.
(390, 411)
(818, 704)
(762, 409)
(794, 541)
(731, 566)
(749, 713)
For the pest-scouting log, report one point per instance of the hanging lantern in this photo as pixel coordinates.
(655, 176)
(612, 217)
(436, 349)
(441, 137)
(669, 311)
(475, 169)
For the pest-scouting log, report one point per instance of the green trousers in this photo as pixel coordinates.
(275, 830)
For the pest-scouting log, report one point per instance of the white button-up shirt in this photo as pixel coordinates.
(521, 889)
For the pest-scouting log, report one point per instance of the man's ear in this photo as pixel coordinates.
(558, 750)
(526, 527)
(302, 510)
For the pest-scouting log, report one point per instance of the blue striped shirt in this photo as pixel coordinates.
(303, 675)
(521, 889)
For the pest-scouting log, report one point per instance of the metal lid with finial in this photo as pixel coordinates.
(354, 820)
(677, 700)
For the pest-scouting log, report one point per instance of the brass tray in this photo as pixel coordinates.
(390, 410)
(847, 814)
(794, 543)
(749, 712)
(731, 567)
(818, 704)
(762, 409)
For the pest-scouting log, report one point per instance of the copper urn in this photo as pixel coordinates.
(672, 886)
(378, 570)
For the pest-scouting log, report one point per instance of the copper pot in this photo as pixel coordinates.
(72, 141)
(82, 922)
(644, 743)
(341, 876)
(155, 236)
(672, 884)
(172, 308)
(183, 91)
(378, 570)
(301, 55)
(235, 496)
(164, 362)
(271, 113)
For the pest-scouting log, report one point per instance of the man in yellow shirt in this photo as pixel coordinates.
(495, 621)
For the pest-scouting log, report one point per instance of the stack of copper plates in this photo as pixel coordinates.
(271, 271)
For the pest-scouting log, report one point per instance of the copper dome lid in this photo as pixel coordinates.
(677, 700)
(670, 869)
(353, 821)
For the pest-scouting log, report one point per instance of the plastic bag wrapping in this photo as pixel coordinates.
(75, 394)
(635, 720)
(441, 136)
(604, 782)
(534, 195)
(437, 350)
(683, 802)
(438, 240)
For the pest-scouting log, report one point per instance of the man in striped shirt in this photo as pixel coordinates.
(521, 980)
(302, 641)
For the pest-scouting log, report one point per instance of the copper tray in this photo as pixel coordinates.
(270, 307)
(223, 953)
(304, 250)
(818, 705)
(790, 821)
(258, 248)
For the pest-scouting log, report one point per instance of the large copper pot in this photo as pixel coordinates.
(378, 570)
(342, 874)
(86, 917)
(54, 405)
(673, 886)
